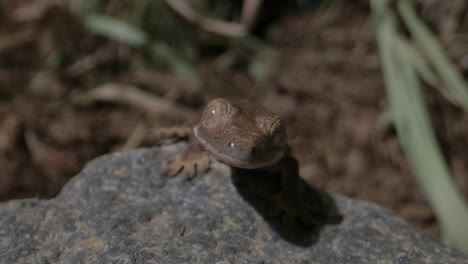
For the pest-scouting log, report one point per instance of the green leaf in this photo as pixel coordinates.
(409, 112)
(448, 73)
(115, 29)
(418, 61)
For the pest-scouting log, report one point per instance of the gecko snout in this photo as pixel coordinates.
(246, 148)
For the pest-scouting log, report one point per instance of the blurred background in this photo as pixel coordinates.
(353, 80)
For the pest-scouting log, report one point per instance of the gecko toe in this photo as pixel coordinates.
(189, 171)
(171, 171)
(203, 164)
(173, 166)
(187, 165)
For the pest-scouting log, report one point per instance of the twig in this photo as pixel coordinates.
(91, 61)
(133, 96)
(249, 12)
(135, 139)
(15, 39)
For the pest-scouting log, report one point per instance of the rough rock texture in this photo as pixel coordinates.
(121, 210)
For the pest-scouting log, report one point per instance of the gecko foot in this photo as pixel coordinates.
(187, 164)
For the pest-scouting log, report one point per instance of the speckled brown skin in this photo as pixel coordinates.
(239, 133)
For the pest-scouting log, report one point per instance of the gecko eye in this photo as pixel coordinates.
(216, 113)
(278, 133)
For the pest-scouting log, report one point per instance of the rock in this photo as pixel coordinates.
(119, 209)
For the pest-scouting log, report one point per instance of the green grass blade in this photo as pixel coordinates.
(418, 61)
(447, 72)
(431, 169)
(115, 29)
(416, 135)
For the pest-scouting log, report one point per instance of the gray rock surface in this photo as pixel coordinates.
(119, 209)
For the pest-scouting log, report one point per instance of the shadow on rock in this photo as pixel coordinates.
(300, 217)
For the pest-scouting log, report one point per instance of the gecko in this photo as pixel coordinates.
(243, 135)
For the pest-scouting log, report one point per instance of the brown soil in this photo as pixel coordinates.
(328, 87)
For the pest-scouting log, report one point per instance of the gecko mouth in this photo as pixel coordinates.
(239, 157)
